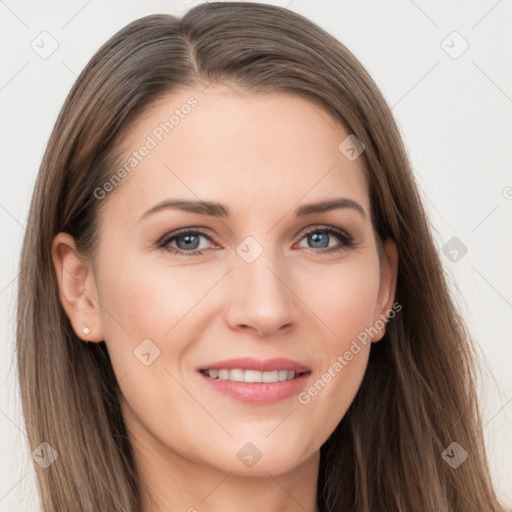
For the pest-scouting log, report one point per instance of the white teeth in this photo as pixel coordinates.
(270, 376)
(251, 376)
(239, 375)
(283, 374)
(223, 374)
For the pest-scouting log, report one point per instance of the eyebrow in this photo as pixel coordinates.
(212, 208)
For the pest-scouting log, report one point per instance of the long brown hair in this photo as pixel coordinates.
(418, 394)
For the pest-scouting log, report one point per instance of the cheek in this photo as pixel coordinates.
(150, 302)
(344, 299)
(345, 302)
(149, 317)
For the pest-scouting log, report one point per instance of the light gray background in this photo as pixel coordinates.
(454, 114)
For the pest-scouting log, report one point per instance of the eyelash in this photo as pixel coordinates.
(347, 241)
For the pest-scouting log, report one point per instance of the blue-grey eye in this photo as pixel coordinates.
(185, 242)
(189, 241)
(319, 240)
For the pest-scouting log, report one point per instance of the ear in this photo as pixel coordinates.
(77, 288)
(386, 296)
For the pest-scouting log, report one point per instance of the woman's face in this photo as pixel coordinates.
(259, 283)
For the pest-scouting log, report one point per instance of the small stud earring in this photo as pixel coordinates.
(85, 330)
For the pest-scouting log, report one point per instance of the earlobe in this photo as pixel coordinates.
(77, 289)
(389, 273)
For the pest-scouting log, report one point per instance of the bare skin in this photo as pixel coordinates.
(262, 156)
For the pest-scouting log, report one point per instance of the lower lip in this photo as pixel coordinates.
(259, 392)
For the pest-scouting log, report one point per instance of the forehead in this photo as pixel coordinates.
(238, 147)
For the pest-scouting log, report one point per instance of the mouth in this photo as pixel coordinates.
(252, 376)
(257, 381)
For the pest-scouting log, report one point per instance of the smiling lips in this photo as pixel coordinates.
(254, 380)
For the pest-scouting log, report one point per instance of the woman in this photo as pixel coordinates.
(230, 295)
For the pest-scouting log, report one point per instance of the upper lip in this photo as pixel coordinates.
(262, 365)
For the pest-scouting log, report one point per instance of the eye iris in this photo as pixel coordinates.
(188, 244)
(317, 239)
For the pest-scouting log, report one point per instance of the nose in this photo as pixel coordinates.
(260, 298)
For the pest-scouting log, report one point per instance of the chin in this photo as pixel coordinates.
(259, 457)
